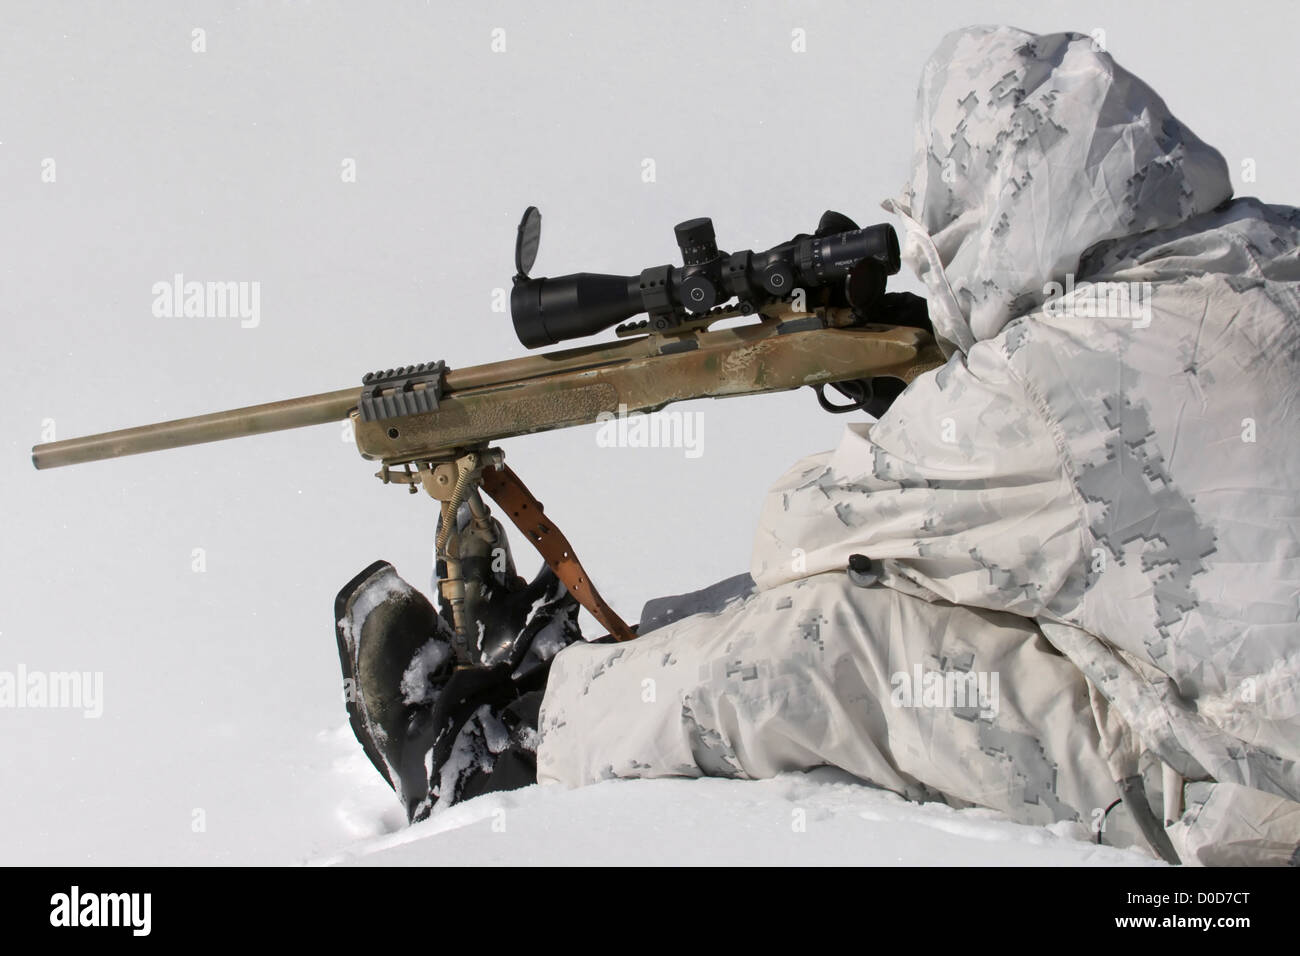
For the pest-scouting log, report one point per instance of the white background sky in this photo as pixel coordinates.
(225, 165)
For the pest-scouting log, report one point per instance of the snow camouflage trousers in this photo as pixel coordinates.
(1110, 453)
(933, 701)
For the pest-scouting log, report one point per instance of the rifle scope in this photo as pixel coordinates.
(846, 265)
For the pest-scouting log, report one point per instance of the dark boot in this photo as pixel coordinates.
(440, 730)
(484, 727)
(395, 653)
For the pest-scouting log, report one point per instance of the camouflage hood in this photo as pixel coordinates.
(1029, 150)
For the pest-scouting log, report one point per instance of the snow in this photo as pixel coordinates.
(416, 687)
(820, 818)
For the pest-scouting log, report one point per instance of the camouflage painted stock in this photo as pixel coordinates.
(431, 426)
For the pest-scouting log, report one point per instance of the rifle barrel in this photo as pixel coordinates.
(217, 426)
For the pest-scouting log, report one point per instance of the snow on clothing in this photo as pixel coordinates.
(1109, 452)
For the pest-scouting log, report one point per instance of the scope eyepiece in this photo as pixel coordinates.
(834, 256)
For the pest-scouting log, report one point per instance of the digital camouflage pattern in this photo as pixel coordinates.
(806, 674)
(1109, 453)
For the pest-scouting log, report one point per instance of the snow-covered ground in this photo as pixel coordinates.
(819, 818)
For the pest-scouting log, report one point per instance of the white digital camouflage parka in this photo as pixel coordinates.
(1109, 458)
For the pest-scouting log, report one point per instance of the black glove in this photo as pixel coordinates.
(903, 308)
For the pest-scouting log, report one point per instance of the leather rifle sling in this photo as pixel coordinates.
(505, 488)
